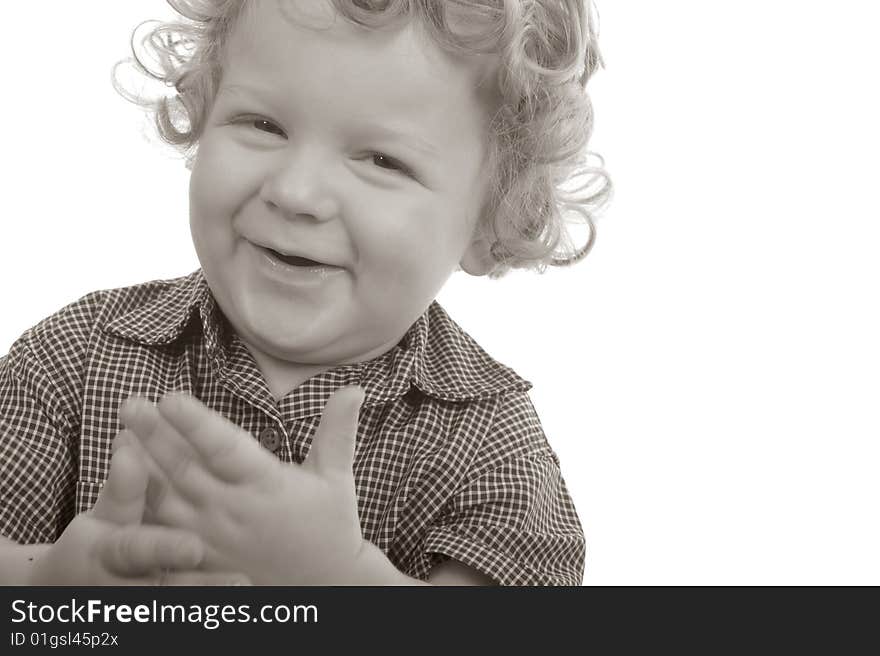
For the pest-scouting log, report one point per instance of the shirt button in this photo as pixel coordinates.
(270, 439)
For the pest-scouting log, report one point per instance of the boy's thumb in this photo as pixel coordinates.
(123, 496)
(334, 441)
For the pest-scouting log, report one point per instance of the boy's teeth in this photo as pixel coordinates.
(295, 260)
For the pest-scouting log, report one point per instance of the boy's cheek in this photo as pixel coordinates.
(410, 245)
(399, 277)
(220, 170)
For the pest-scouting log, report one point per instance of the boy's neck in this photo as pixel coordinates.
(283, 377)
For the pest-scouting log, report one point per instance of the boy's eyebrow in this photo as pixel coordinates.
(409, 138)
(226, 88)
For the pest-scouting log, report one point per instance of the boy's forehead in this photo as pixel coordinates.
(306, 23)
(259, 14)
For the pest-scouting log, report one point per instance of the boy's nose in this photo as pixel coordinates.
(297, 187)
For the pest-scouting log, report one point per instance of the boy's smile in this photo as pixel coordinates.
(283, 264)
(338, 183)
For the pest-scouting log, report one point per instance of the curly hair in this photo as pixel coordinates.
(542, 179)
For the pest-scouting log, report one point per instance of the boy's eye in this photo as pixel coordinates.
(264, 125)
(385, 162)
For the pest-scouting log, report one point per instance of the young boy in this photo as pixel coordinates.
(350, 156)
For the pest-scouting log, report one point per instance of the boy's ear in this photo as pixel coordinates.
(477, 259)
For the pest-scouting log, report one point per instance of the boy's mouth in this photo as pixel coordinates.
(294, 260)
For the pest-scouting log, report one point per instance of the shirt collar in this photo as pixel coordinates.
(167, 313)
(436, 356)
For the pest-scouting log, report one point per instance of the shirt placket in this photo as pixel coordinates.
(237, 372)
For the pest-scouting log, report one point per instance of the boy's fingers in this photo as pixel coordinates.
(157, 483)
(333, 445)
(176, 462)
(168, 507)
(144, 420)
(139, 550)
(126, 438)
(123, 438)
(228, 451)
(131, 413)
(122, 499)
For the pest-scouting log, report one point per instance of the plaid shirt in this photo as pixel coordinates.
(451, 459)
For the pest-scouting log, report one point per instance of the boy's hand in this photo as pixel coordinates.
(109, 546)
(282, 524)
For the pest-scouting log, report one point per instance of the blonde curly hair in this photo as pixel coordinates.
(542, 178)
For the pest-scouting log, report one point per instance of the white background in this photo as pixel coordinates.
(709, 376)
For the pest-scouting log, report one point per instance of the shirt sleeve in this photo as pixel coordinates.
(38, 424)
(512, 518)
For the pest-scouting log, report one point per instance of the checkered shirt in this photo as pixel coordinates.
(451, 460)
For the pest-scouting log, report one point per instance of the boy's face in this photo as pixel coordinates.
(361, 150)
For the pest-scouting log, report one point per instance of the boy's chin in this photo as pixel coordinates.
(311, 347)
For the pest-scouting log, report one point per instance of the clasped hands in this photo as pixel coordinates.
(276, 523)
(192, 499)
